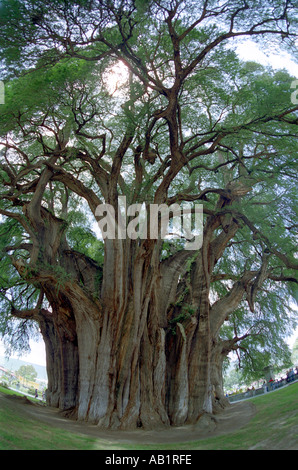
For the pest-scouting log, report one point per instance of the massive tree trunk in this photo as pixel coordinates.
(135, 349)
(130, 363)
(219, 352)
(61, 361)
(134, 343)
(116, 361)
(126, 352)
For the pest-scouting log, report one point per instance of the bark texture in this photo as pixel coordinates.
(140, 347)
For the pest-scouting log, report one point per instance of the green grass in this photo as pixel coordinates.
(274, 426)
(19, 433)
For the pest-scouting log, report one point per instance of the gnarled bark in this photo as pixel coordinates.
(137, 348)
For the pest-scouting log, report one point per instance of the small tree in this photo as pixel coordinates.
(294, 356)
(27, 372)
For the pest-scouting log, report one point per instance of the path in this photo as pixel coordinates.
(231, 419)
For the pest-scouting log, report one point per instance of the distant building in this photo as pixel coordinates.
(6, 373)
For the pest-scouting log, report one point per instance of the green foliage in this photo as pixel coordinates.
(82, 238)
(14, 292)
(233, 379)
(294, 355)
(28, 372)
(186, 312)
(267, 330)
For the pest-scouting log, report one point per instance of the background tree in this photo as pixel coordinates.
(132, 327)
(233, 380)
(28, 372)
(294, 355)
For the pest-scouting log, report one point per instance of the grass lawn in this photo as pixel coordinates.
(19, 433)
(274, 426)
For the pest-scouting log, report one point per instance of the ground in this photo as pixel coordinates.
(232, 418)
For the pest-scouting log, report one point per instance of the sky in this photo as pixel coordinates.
(247, 51)
(36, 356)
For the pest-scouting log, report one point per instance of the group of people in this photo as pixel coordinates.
(268, 386)
(43, 394)
(273, 384)
(291, 374)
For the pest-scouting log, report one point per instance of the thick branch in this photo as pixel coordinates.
(59, 174)
(227, 304)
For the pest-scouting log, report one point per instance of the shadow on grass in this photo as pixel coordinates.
(274, 426)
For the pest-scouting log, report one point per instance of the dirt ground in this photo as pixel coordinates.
(231, 419)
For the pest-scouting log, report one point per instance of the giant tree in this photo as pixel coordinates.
(132, 323)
